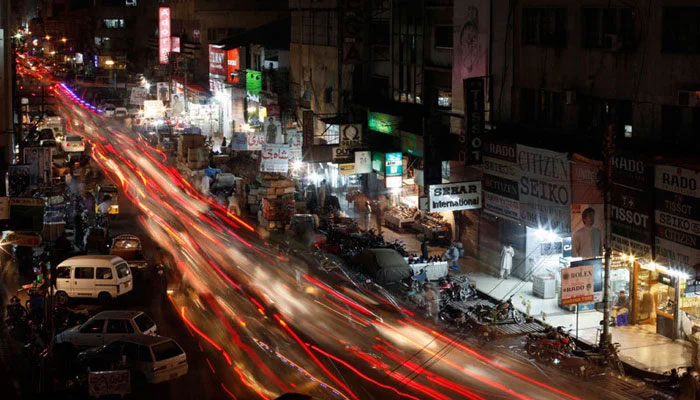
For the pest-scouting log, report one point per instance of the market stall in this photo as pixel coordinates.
(433, 226)
(401, 217)
(433, 270)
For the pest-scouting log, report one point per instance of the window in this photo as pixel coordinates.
(444, 99)
(145, 354)
(104, 273)
(328, 95)
(608, 28)
(94, 326)
(123, 270)
(113, 23)
(63, 272)
(84, 273)
(443, 37)
(545, 26)
(166, 350)
(681, 30)
(541, 107)
(119, 326)
(596, 114)
(131, 3)
(144, 322)
(318, 27)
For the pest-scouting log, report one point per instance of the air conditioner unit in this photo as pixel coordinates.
(612, 42)
(570, 97)
(689, 98)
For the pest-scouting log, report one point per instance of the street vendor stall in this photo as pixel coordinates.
(401, 217)
(433, 270)
(433, 226)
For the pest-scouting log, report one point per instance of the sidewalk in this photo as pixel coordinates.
(640, 345)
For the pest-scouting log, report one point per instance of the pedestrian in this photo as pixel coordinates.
(424, 249)
(689, 385)
(368, 215)
(103, 208)
(452, 257)
(379, 213)
(430, 301)
(506, 260)
(323, 192)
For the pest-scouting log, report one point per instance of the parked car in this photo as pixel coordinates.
(72, 144)
(120, 112)
(385, 266)
(108, 110)
(154, 359)
(129, 248)
(95, 276)
(106, 327)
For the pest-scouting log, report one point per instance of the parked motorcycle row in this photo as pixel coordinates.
(556, 347)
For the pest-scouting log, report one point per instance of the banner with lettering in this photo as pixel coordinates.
(501, 176)
(677, 216)
(631, 221)
(545, 189)
(275, 158)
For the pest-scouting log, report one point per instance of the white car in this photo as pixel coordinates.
(109, 110)
(120, 112)
(73, 144)
(106, 327)
(155, 359)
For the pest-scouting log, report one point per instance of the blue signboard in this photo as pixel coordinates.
(394, 164)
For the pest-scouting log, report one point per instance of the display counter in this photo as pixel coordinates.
(433, 226)
(433, 270)
(401, 217)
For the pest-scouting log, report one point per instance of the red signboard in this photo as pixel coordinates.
(163, 34)
(175, 44)
(233, 65)
(217, 61)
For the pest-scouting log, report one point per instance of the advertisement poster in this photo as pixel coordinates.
(363, 162)
(347, 169)
(501, 176)
(233, 65)
(394, 164)
(164, 45)
(138, 95)
(295, 140)
(470, 45)
(588, 230)
(677, 216)
(239, 141)
(163, 91)
(455, 196)
(273, 130)
(275, 158)
(584, 182)
(545, 189)
(217, 60)
(577, 285)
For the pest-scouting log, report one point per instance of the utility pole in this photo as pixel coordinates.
(608, 153)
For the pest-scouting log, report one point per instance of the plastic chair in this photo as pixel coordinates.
(621, 320)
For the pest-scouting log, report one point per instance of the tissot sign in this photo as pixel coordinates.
(455, 196)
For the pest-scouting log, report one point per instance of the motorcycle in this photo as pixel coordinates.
(550, 345)
(453, 316)
(503, 311)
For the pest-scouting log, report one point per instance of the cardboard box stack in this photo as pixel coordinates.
(277, 194)
(191, 153)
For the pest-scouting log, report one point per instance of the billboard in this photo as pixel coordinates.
(501, 176)
(455, 196)
(275, 158)
(351, 135)
(577, 284)
(233, 65)
(164, 45)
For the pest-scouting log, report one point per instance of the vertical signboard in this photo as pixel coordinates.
(631, 224)
(677, 216)
(352, 26)
(217, 61)
(363, 162)
(577, 284)
(545, 189)
(175, 44)
(164, 45)
(233, 65)
(474, 118)
(501, 176)
(394, 164)
(308, 130)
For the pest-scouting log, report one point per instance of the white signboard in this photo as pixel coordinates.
(455, 196)
(256, 141)
(577, 285)
(275, 158)
(138, 95)
(351, 135)
(152, 108)
(295, 140)
(363, 162)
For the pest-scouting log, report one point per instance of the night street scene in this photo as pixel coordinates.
(349, 199)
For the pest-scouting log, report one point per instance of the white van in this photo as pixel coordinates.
(95, 276)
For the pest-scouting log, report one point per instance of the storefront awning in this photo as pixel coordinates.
(191, 86)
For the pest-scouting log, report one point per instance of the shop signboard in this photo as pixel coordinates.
(27, 214)
(383, 123)
(545, 189)
(501, 186)
(631, 219)
(474, 118)
(351, 135)
(363, 162)
(138, 95)
(378, 162)
(253, 81)
(394, 164)
(40, 162)
(175, 44)
(164, 45)
(411, 144)
(588, 233)
(342, 155)
(275, 158)
(676, 216)
(584, 182)
(24, 239)
(501, 176)
(455, 196)
(273, 110)
(217, 60)
(347, 169)
(577, 285)
(393, 182)
(256, 141)
(501, 206)
(239, 141)
(152, 108)
(295, 140)
(233, 65)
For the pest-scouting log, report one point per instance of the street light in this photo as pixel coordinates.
(47, 37)
(64, 40)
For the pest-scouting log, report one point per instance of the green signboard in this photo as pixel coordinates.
(253, 81)
(412, 144)
(378, 162)
(394, 164)
(383, 123)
